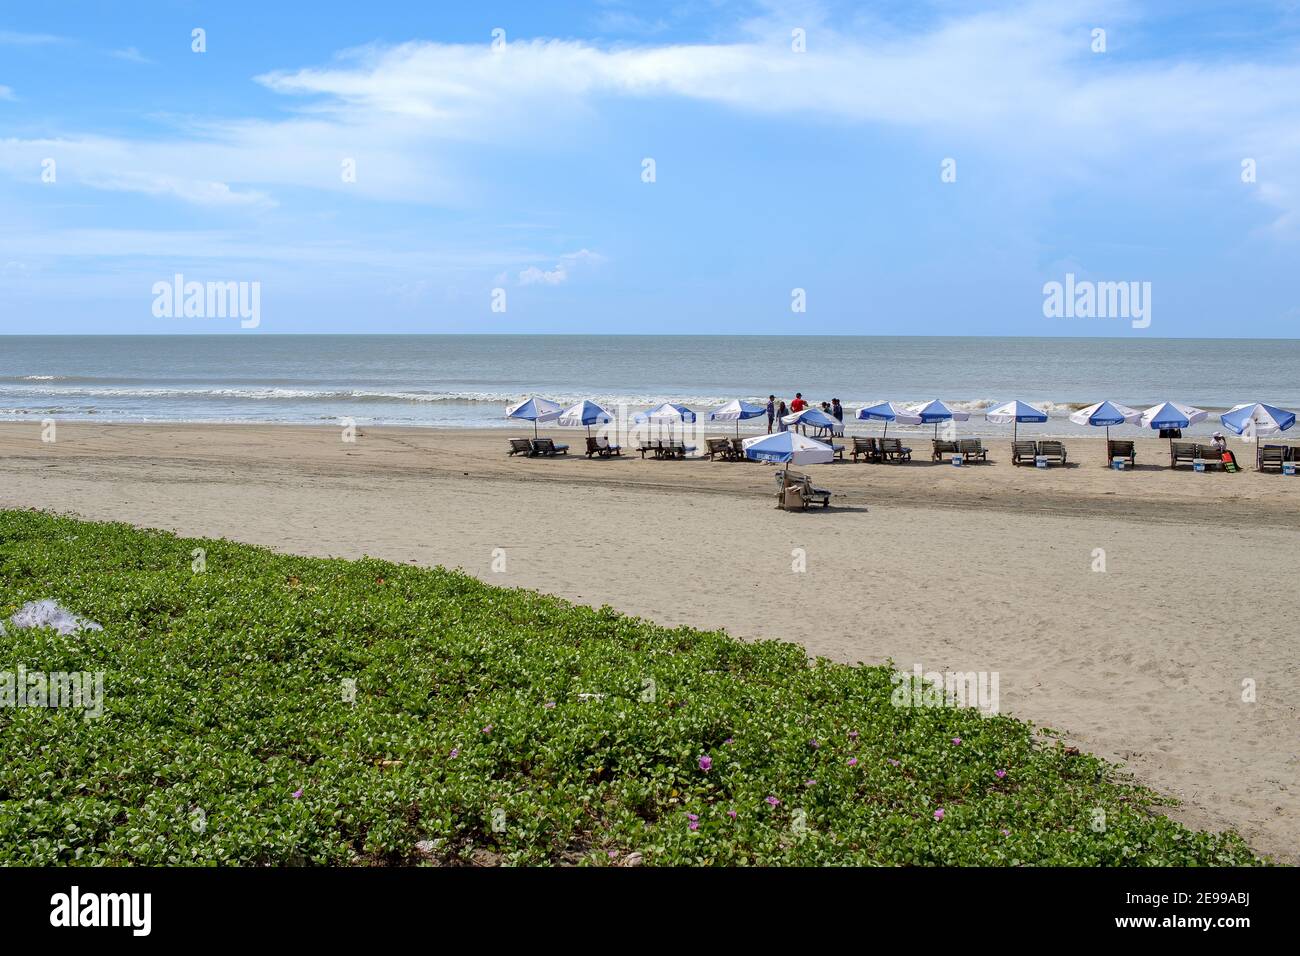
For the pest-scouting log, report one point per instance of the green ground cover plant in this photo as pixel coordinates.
(280, 710)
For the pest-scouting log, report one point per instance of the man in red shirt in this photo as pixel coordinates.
(798, 404)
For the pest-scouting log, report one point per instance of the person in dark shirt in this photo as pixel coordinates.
(837, 409)
(780, 414)
(771, 412)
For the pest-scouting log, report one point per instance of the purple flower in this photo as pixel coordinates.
(692, 817)
(1006, 833)
(773, 801)
(813, 744)
(297, 793)
(486, 730)
(896, 763)
(853, 761)
(853, 735)
(732, 814)
(693, 825)
(938, 814)
(549, 705)
(999, 774)
(957, 741)
(706, 763)
(455, 752)
(729, 740)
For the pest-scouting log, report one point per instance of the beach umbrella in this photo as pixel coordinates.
(1258, 419)
(816, 418)
(788, 448)
(737, 411)
(888, 412)
(936, 412)
(1013, 413)
(1105, 414)
(535, 410)
(584, 413)
(1172, 415)
(667, 412)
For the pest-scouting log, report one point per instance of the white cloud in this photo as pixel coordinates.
(13, 38)
(131, 55)
(562, 270)
(6, 93)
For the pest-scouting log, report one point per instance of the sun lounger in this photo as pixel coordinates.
(1272, 456)
(1023, 452)
(546, 448)
(601, 447)
(718, 448)
(674, 449)
(1183, 452)
(972, 449)
(649, 446)
(1053, 451)
(891, 449)
(942, 448)
(521, 446)
(1121, 449)
(738, 449)
(866, 447)
(795, 490)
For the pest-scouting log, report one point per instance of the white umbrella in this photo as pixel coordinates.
(737, 411)
(1013, 413)
(584, 413)
(535, 410)
(1105, 414)
(888, 412)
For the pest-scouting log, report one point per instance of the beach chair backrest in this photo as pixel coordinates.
(544, 446)
(521, 445)
(969, 446)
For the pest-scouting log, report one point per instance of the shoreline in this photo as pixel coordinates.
(984, 568)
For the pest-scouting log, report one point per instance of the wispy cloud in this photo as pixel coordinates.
(131, 55)
(569, 262)
(11, 38)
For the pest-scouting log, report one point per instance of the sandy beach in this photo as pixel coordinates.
(982, 568)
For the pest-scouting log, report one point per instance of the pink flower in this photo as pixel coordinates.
(773, 801)
(1006, 833)
(853, 761)
(732, 814)
(813, 744)
(896, 763)
(706, 763)
(938, 814)
(853, 735)
(957, 741)
(297, 793)
(692, 817)
(999, 774)
(693, 825)
(810, 783)
(486, 730)
(455, 752)
(549, 705)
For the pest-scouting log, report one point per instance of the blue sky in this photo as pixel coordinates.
(520, 168)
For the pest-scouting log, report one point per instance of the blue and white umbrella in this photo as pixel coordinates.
(535, 410)
(667, 413)
(1172, 415)
(789, 448)
(1257, 418)
(1013, 413)
(1105, 414)
(817, 419)
(737, 411)
(888, 412)
(584, 413)
(935, 412)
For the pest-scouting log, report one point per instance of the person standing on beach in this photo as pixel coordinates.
(780, 414)
(798, 404)
(771, 412)
(837, 410)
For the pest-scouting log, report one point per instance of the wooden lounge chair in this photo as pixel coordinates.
(1271, 456)
(1183, 452)
(972, 449)
(795, 490)
(649, 446)
(1212, 457)
(1023, 452)
(1053, 451)
(1121, 449)
(866, 447)
(738, 449)
(891, 449)
(546, 448)
(718, 448)
(942, 448)
(521, 446)
(594, 447)
(675, 449)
